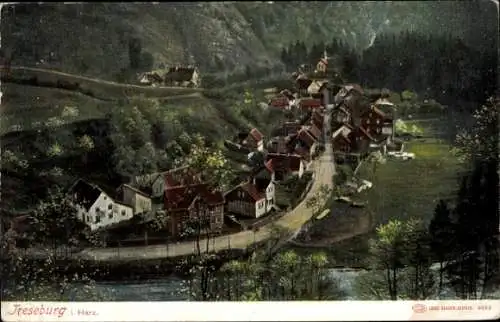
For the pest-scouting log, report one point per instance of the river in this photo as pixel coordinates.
(167, 289)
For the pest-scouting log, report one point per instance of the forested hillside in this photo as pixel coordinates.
(112, 41)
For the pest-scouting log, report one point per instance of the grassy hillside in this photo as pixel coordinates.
(113, 41)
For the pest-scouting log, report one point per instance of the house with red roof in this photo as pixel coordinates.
(315, 132)
(285, 165)
(309, 104)
(256, 196)
(253, 139)
(246, 200)
(280, 102)
(349, 139)
(377, 123)
(194, 204)
(304, 145)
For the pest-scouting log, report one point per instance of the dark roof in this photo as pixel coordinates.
(279, 102)
(314, 131)
(179, 74)
(306, 137)
(182, 197)
(252, 191)
(303, 83)
(307, 103)
(280, 161)
(85, 193)
(256, 135)
(127, 186)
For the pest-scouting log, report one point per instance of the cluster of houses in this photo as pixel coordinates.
(358, 125)
(180, 76)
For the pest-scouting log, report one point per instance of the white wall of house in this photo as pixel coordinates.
(260, 145)
(244, 208)
(270, 196)
(142, 204)
(104, 212)
(122, 212)
(301, 170)
(260, 208)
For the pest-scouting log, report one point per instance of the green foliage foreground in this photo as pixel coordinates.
(287, 277)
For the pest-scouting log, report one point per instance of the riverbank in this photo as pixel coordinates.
(135, 270)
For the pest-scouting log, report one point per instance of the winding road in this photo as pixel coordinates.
(324, 170)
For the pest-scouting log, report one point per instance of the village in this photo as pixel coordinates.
(360, 125)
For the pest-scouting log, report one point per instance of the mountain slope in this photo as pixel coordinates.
(102, 39)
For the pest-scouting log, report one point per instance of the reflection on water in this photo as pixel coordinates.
(167, 289)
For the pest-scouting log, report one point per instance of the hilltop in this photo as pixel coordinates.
(104, 40)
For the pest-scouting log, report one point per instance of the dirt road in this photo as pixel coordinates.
(323, 172)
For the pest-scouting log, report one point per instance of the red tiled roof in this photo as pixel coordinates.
(253, 191)
(317, 118)
(314, 131)
(306, 138)
(256, 135)
(308, 103)
(295, 162)
(269, 166)
(279, 102)
(284, 161)
(182, 197)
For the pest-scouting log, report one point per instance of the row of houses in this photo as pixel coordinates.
(183, 76)
(360, 126)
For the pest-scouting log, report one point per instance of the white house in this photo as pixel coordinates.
(138, 200)
(96, 208)
(249, 201)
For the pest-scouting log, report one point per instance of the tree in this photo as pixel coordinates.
(388, 254)
(209, 162)
(475, 248)
(56, 220)
(441, 231)
(26, 279)
(479, 143)
(420, 278)
(134, 51)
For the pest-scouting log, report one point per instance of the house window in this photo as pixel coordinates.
(110, 206)
(105, 198)
(97, 209)
(123, 212)
(97, 219)
(88, 218)
(110, 215)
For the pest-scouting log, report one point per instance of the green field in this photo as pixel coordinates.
(404, 189)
